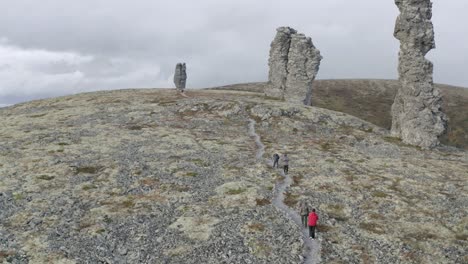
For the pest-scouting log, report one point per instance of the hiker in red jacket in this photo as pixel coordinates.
(313, 218)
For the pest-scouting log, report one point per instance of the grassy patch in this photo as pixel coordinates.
(420, 236)
(399, 142)
(393, 140)
(18, 196)
(84, 225)
(38, 115)
(376, 216)
(180, 188)
(326, 146)
(87, 169)
(291, 199)
(235, 191)
(134, 127)
(396, 185)
(191, 174)
(100, 231)
(324, 228)
(149, 182)
(260, 249)
(345, 129)
(200, 163)
(372, 228)
(349, 175)
(297, 179)
(6, 253)
(164, 103)
(129, 203)
(272, 98)
(379, 194)
(336, 211)
(262, 202)
(88, 187)
(257, 227)
(45, 177)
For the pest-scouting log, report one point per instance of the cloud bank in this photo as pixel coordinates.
(66, 47)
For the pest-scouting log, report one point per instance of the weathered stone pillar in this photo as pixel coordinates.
(294, 63)
(278, 62)
(417, 117)
(180, 76)
(303, 66)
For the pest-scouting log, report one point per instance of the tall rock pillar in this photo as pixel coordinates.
(180, 76)
(294, 62)
(278, 61)
(417, 117)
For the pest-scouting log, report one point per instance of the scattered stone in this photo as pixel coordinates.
(180, 76)
(294, 63)
(417, 117)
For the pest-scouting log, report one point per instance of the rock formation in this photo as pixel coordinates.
(180, 76)
(417, 117)
(278, 61)
(294, 62)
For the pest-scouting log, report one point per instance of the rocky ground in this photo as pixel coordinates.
(372, 99)
(149, 176)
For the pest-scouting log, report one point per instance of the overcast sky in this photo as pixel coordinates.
(56, 47)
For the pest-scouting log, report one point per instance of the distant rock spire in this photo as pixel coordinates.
(417, 117)
(294, 63)
(180, 76)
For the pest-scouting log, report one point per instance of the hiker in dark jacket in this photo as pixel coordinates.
(285, 163)
(276, 158)
(313, 218)
(304, 211)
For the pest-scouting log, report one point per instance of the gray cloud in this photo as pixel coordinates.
(54, 47)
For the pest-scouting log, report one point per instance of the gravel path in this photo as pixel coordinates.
(312, 250)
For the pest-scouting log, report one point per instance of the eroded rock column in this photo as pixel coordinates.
(294, 63)
(278, 62)
(417, 117)
(180, 76)
(303, 65)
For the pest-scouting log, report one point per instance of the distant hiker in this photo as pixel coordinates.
(304, 211)
(313, 218)
(285, 163)
(276, 158)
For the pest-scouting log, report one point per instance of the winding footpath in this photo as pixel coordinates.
(312, 247)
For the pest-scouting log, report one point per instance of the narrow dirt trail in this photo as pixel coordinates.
(312, 250)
